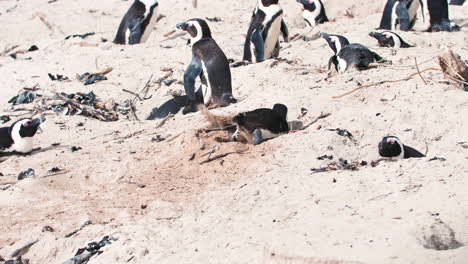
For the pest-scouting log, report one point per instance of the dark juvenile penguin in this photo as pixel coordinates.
(439, 13)
(265, 27)
(210, 64)
(349, 55)
(19, 136)
(389, 39)
(314, 12)
(391, 147)
(138, 22)
(457, 2)
(262, 124)
(400, 14)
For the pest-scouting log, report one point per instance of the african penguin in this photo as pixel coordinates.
(391, 147)
(210, 64)
(457, 2)
(264, 29)
(400, 14)
(439, 16)
(262, 124)
(19, 136)
(389, 39)
(138, 22)
(349, 55)
(314, 12)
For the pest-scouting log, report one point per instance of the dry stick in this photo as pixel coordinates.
(219, 156)
(321, 116)
(419, 73)
(8, 50)
(195, 3)
(382, 82)
(164, 121)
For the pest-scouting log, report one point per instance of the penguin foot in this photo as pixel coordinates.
(240, 63)
(192, 108)
(444, 26)
(257, 137)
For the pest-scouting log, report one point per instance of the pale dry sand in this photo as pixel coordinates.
(261, 206)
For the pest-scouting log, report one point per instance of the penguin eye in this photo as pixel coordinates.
(27, 123)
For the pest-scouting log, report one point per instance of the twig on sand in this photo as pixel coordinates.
(417, 68)
(321, 116)
(380, 196)
(127, 136)
(42, 17)
(386, 81)
(8, 50)
(195, 3)
(162, 122)
(222, 155)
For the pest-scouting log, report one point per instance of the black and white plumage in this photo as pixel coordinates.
(389, 39)
(401, 15)
(349, 55)
(19, 136)
(264, 30)
(262, 124)
(391, 147)
(210, 64)
(439, 14)
(457, 2)
(314, 12)
(138, 22)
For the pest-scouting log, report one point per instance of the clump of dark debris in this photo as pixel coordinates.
(83, 255)
(341, 164)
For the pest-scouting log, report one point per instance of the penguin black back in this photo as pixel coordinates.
(139, 21)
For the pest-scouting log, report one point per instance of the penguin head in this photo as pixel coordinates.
(239, 119)
(197, 28)
(308, 4)
(26, 127)
(336, 42)
(385, 40)
(282, 110)
(269, 2)
(391, 146)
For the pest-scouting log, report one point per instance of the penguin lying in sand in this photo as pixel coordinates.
(138, 22)
(261, 124)
(389, 39)
(349, 55)
(19, 136)
(264, 30)
(391, 147)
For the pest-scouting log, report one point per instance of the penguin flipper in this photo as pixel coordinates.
(412, 153)
(136, 33)
(403, 16)
(380, 59)
(255, 24)
(284, 31)
(120, 35)
(191, 73)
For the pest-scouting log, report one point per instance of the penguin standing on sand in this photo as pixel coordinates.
(314, 12)
(138, 22)
(265, 27)
(439, 13)
(391, 147)
(349, 55)
(261, 124)
(210, 64)
(19, 136)
(389, 39)
(401, 14)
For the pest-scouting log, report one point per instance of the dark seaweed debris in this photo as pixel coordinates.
(5, 119)
(57, 77)
(23, 98)
(83, 255)
(214, 19)
(29, 173)
(83, 36)
(343, 132)
(88, 78)
(342, 164)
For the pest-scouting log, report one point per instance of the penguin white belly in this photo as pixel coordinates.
(23, 145)
(149, 27)
(206, 89)
(272, 37)
(310, 16)
(267, 134)
(342, 65)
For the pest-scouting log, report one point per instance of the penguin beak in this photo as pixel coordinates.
(36, 122)
(182, 26)
(374, 34)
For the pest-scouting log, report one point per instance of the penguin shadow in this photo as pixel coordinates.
(6, 155)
